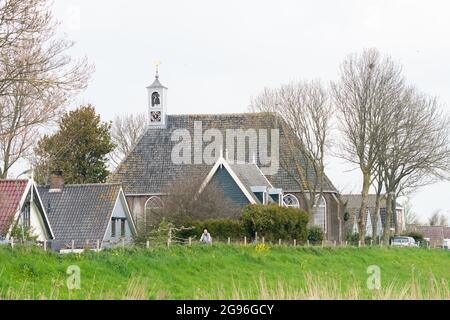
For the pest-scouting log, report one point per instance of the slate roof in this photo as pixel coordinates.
(250, 176)
(436, 234)
(148, 169)
(80, 212)
(353, 202)
(11, 192)
(156, 84)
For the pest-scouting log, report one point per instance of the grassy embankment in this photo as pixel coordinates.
(227, 271)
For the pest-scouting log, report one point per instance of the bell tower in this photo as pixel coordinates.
(157, 101)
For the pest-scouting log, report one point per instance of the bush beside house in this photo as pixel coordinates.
(315, 235)
(220, 229)
(274, 222)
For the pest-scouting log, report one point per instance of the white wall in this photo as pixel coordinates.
(37, 223)
(119, 212)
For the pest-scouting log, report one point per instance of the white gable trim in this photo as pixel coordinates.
(222, 162)
(270, 184)
(121, 198)
(128, 212)
(31, 184)
(44, 211)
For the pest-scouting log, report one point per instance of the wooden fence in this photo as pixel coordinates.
(98, 245)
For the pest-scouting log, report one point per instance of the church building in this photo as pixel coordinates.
(174, 146)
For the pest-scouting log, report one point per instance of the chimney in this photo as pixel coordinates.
(56, 181)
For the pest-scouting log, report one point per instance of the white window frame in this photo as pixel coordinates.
(291, 206)
(154, 198)
(321, 205)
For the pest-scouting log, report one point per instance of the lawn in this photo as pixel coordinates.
(225, 272)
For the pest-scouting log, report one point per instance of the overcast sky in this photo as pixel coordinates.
(216, 55)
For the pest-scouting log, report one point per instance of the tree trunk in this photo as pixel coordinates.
(387, 219)
(375, 216)
(4, 170)
(394, 212)
(363, 209)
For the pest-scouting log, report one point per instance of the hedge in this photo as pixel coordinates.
(220, 229)
(315, 234)
(274, 222)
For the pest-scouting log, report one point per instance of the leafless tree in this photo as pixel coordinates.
(125, 133)
(184, 201)
(410, 216)
(438, 219)
(303, 113)
(365, 95)
(37, 77)
(418, 153)
(378, 185)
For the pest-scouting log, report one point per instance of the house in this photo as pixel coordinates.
(176, 146)
(434, 234)
(352, 204)
(244, 183)
(86, 214)
(22, 213)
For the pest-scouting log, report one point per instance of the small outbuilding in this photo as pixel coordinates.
(22, 213)
(87, 216)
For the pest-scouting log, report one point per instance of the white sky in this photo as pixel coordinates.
(218, 54)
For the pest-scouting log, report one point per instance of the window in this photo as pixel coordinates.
(320, 212)
(26, 215)
(152, 208)
(113, 227)
(291, 201)
(122, 227)
(155, 99)
(154, 203)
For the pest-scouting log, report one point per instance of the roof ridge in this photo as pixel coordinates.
(87, 185)
(216, 114)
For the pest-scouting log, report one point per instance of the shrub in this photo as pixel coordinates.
(155, 234)
(274, 222)
(315, 234)
(220, 229)
(353, 239)
(414, 234)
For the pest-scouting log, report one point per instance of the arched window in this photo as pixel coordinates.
(154, 203)
(291, 201)
(153, 207)
(155, 99)
(320, 212)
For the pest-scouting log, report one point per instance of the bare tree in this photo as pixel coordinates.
(38, 78)
(365, 95)
(438, 219)
(184, 202)
(418, 153)
(125, 133)
(410, 216)
(303, 112)
(378, 184)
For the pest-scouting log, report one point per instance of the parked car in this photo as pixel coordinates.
(446, 244)
(404, 242)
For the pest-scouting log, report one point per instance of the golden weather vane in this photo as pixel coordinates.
(157, 64)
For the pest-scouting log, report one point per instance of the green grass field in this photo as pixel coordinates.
(226, 272)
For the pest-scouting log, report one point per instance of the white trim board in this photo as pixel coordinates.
(222, 162)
